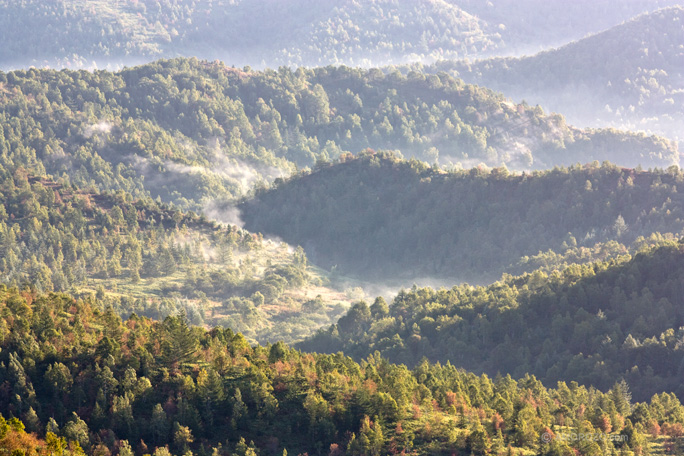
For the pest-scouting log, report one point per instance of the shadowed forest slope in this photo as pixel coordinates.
(383, 218)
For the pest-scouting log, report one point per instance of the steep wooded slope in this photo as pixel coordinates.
(592, 324)
(155, 261)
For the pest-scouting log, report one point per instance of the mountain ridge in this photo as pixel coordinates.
(627, 76)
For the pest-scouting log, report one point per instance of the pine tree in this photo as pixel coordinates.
(179, 342)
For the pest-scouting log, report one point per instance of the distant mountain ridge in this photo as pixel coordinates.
(630, 76)
(256, 32)
(271, 33)
(530, 26)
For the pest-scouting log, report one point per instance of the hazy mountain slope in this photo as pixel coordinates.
(256, 32)
(155, 261)
(593, 324)
(350, 32)
(531, 26)
(629, 76)
(380, 217)
(191, 132)
(298, 32)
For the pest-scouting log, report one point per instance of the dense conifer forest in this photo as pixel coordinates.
(156, 261)
(193, 132)
(298, 227)
(382, 217)
(82, 380)
(590, 323)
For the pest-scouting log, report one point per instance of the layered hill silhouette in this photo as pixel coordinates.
(132, 325)
(271, 33)
(629, 76)
(537, 25)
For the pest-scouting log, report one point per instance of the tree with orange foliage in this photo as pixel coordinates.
(15, 440)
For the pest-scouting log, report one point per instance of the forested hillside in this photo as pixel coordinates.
(271, 33)
(594, 323)
(256, 32)
(536, 25)
(149, 259)
(198, 134)
(168, 228)
(140, 130)
(84, 381)
(382, 218)
(193, 132)
(629, 76)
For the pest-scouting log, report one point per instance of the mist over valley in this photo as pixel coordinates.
(356, 227)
